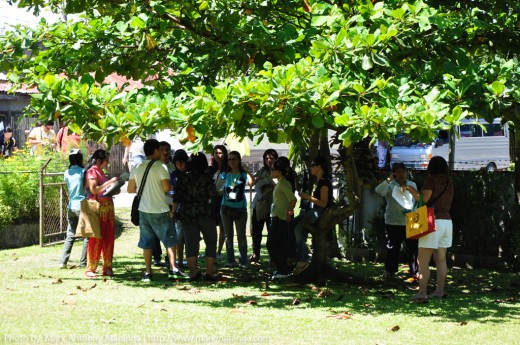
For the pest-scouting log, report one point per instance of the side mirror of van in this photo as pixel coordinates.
(438, 143)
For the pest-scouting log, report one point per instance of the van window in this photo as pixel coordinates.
(494, 130)
(470, 131)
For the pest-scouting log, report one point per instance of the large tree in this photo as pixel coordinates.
(285, 69)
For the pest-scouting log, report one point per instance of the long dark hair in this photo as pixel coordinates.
(322, 162)
(198, 163)
(237, 154)
(267, 152)
(76, 158)
(213, 161)
(438, 165)
(283, 165)
(98, 154)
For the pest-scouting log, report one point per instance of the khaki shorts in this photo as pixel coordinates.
(441, 238)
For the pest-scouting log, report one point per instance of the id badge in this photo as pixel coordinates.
(232, 195)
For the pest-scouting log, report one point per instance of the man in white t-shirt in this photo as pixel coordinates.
(154, 211)
(41, 138)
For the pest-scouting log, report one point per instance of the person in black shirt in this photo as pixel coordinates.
(7, 143)
(320, 199)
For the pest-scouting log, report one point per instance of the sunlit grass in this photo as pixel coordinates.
(43, 303)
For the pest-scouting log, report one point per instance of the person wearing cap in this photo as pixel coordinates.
(42, 138)
(74, 177)
(7, 143)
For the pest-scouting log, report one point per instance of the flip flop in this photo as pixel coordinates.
(418, 300)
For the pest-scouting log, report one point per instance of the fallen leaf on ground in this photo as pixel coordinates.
(506, 300)
(15, 259)
(36, 286)
(295, 301)
(251, 302)
(163, 309)
(342, 316)
(194, 291)
(463, 323)
(71, 293)
(265, 294)
(393, 329)
(238, 311)
(108, 321)
(140, 305)
(183, 288)
(368, 305)
(324, 293)
(72, 267)
(315, 288)
(68, 302)
(59, 281)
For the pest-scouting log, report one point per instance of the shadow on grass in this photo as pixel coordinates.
(474, 295)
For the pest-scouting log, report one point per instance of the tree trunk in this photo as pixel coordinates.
(320, 268)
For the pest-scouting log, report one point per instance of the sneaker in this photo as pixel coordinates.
(63, 266)
(90, 274)
(277, 275)
(209, 278)
(158, 263)
(177, 274)
(147, 277)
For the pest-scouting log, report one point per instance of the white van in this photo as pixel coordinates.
(476, 147)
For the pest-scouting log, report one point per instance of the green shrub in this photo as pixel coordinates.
(19, 186)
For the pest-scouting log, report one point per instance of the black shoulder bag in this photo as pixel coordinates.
(134, 215)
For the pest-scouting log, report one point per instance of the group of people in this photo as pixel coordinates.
(437, 192)
(186, 199)
(206, 196)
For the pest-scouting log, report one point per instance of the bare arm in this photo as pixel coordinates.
(96, 189)
(322, 201)
(166, 185)
(427, 193)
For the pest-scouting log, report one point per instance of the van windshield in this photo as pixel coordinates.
(404, 140)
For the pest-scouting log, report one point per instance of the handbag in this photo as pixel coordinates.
(88, 222)
(421, 222)
(134, 214)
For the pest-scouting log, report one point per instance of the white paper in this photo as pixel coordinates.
(404, 199)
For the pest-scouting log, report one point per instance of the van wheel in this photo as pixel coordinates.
(491, 167)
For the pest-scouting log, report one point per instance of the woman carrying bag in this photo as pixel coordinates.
(96, 183)
(438, 192)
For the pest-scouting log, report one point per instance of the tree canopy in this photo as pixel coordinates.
(288, 68)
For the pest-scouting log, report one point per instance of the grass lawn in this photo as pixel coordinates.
(42, 304)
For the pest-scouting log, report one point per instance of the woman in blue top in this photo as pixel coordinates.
(74, 177)
(234, 208)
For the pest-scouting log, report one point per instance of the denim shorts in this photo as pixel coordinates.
(156, 224)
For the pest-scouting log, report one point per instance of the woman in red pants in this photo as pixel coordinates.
(95, 184)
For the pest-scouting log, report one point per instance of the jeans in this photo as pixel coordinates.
(310, 216)
(241, 236)
(72, 223)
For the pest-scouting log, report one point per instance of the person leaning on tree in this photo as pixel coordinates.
(320, 200)
(154, 211)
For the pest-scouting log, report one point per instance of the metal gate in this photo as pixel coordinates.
(53, 207)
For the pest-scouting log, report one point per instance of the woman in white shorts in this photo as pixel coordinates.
(437, 191)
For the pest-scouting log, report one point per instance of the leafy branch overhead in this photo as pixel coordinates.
(360, 68)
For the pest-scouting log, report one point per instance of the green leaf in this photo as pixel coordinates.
(203, 6)
(137, 23)
(498, 87)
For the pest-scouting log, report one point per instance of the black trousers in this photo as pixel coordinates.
(395, 235)
(257, 228)
(276, 238)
